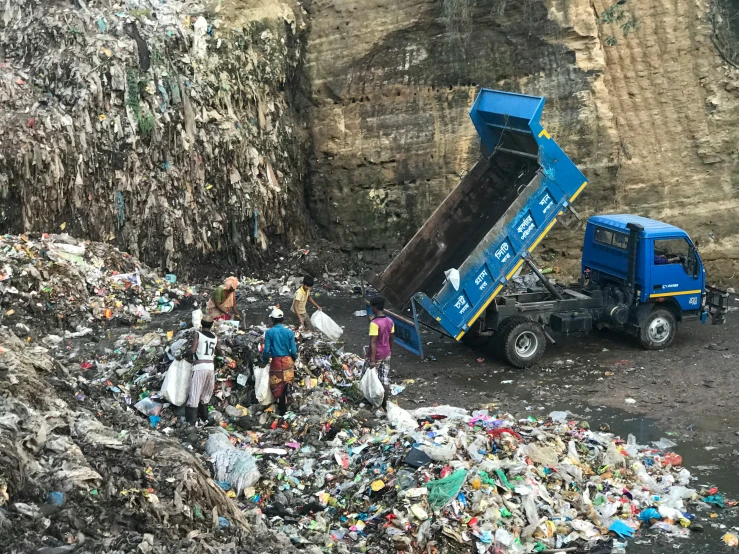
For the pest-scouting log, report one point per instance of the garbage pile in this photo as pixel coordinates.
(69, 482)
(442, 477)
(148, 119)
(70, 284)
(333, 473)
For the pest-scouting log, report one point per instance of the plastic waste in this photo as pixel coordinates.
(149, 407)
(621, 529)
(558, 417)
(442, 491)
(545, 455)
(55, 498)
(176, 349)
(664, 443)
(477, 449)
(176, 385)
(450, 412)
(371, 387)
(400, 418)
(730, 539)
(326, 325)
(649, 513)
(262, 390)
(197, 318)
(452, 275)
(231, 464)
(572, 452)
(440, 452)
(613, 457)
(417, 458)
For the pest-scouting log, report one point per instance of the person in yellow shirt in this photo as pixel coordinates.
(300, 301)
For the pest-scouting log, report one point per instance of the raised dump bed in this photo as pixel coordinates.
(487, 225)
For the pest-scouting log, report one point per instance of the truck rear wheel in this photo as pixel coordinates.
(658, 330)
(521, 341)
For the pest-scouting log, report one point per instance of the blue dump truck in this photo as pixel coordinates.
(456, 275)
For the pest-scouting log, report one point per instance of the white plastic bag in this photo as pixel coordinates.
(197, 318)
(232, 465)
(263, 392)
(452, 275)
(440, 452)
(371, 387)
(400, 418)
(176, 385)
(326, 325)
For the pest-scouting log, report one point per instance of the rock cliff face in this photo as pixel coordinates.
(637, 95)
(168, 130)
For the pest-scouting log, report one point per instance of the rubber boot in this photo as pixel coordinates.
(385, 397)
(203, 412)
(191, 415)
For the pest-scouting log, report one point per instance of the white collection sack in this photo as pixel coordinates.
(261, 385)
(371, 387)
(326, 325)
(176, 385)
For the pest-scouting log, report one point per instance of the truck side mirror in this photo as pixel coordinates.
(693, 262)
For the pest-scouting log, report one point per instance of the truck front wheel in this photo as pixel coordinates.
(522, 342)
(658, 330)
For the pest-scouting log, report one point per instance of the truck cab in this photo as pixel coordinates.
(668, 268)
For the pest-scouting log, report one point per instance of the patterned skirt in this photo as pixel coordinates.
(281, 373)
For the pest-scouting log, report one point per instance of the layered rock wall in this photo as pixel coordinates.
(636, 94)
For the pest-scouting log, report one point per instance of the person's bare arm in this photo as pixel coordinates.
(194, 343)
(310, 298)
(373, 350)
(219, 351)
(392, 342)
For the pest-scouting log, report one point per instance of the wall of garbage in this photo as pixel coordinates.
(153, 126)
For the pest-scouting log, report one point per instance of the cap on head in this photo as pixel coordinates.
(277, 314)
(308, 281)
(378, 302)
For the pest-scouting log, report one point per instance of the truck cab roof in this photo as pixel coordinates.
(652, 227)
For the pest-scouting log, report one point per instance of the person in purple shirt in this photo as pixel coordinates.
(382, 334)
(662, 260)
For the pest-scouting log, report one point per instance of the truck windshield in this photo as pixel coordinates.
(612, 238)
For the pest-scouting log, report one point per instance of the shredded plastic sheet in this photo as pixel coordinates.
(442, 491)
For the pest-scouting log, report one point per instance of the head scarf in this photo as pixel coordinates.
(231, 283)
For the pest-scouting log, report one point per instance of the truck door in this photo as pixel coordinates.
(676, 272)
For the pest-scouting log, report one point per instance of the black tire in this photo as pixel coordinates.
(658, 329)
(511, 335)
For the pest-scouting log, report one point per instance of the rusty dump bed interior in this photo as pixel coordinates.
(456, 227)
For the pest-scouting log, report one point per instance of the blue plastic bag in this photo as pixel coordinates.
(621, 529)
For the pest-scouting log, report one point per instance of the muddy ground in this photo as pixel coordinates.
(687, 393)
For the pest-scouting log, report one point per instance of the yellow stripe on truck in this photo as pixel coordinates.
(485, 305)
(572, 198)
(663, 294)
(546, 230)
(544, 134)
(459, 336)
(515, 268)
